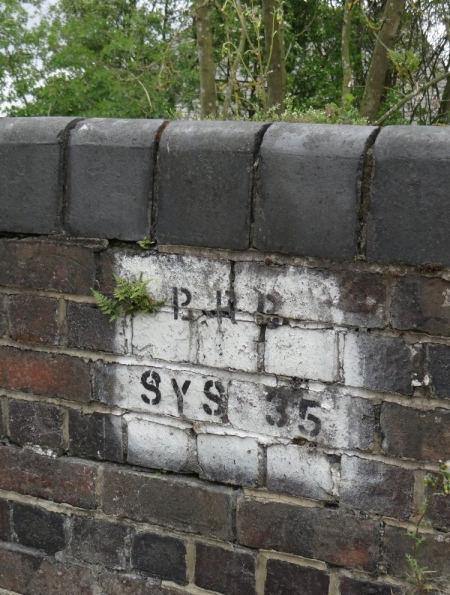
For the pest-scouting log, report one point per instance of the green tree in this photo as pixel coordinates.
(152, 58)
(18, 45)
(104, 57)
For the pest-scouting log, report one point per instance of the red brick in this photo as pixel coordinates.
(31, 574)
(88, 328)
(351, 586)
(34, 319)
(4, 520)
(160, 555)
(419, 303)
(112, 583)
(96, 435)
(226, 571)
(362, 298)
(320, 533)
(433, 553)
(53, 578)
(17, 569)
(410, 433)
(384, 363)
(47, 265)
(106, 271)
(38, 528)
(181, 503)
(98, 542)
(284, 578)
(376, 487)
(61, 479)
(46, 374)
(32, 422)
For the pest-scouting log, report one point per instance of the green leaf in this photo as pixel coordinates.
(130, 297)
(146, 244)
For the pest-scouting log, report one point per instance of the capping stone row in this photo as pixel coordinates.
(300, 189)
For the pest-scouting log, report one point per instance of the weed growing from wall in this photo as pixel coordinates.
(129, 297)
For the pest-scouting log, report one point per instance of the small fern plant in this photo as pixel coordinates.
(129, 297)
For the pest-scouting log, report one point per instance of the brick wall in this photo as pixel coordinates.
(268, 431)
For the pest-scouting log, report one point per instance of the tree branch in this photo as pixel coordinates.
(411, 95)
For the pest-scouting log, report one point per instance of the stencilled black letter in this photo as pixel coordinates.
(184, 388)
(281, 401)
(217, 399)
(152, 388)
(176, 305)
(304, 405)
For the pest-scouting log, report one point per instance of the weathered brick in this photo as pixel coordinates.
(32, 574)
(301, 353)
(38, 528)
(319, 533)
(205, 180)
(438, 511)
(303, 293)
(30, 177)
(61, 479)
(300, 470)
(112, 583)
(162, 337)
(225, 344)
(110, 173)
(47, 265)
(3, 326)
(88, 328)
(308, 189)
(96, 435)
(98, 542)
(4, 520)
(351, 586)
(137, 388)
(32, 422)
(420, 303)
(34, 319)
(376, 487)
(122, 386)
(433, 553)
(17, 569)
(161, 446)
(231, 572)
(438, 365)
(160, 556)
(181, 503)
(45, 374)
(328, 417)
(408, 216)
(379, 363)
(415, 434)
(186, 283)
(51, 576)
(229, 459)
(284, 578)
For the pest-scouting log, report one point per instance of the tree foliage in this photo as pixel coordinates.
(145, 59)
